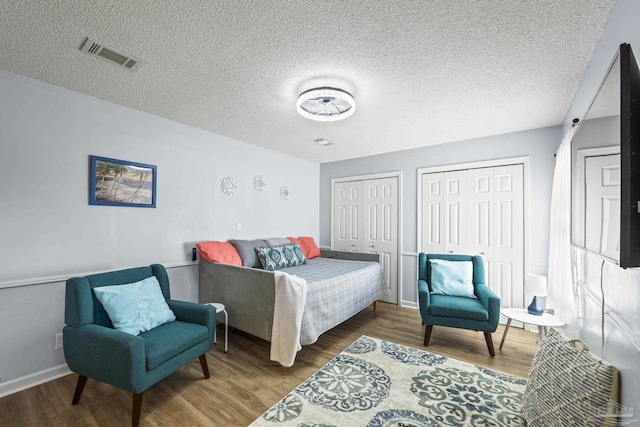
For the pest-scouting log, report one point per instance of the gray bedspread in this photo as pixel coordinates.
(336, 290)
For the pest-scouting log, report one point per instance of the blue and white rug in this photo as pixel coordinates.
(380, 383)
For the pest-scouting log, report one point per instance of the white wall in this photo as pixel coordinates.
(608, 311)
(540, 145)
(608, 315)
(48, 229)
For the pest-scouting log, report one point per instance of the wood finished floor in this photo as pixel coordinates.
(244, 383)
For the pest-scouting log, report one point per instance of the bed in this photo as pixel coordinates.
(339, 285)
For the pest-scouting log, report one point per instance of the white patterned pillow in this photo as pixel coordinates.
(568, 386)
(277, 257)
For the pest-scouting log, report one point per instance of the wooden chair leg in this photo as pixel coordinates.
(137, 409)
(205, 366)
(427, 334)
(489, 340)
(82, 381)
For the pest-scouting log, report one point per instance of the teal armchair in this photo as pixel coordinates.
(481, 314)
(94, 349)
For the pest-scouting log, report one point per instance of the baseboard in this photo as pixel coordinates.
(408, 304)
(33, 380)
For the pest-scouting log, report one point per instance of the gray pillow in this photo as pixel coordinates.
(277, 241)
(247, 251)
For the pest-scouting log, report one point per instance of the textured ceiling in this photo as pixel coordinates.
(422, 72)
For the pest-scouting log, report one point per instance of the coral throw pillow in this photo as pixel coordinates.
(308, 246)
(220, 252)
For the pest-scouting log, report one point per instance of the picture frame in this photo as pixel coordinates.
(115, 182)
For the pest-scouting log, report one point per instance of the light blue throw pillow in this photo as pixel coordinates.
(454, 278)
(277, 257)
(135, 307)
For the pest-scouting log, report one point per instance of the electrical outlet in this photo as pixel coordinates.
(59, 341)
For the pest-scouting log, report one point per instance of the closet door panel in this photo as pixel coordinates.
(348, 210)
(503, 285)
(481, 212)
(432, 212)
(509, 225)
(455, 212)
(381, 227)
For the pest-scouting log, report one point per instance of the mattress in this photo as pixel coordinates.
(336, 290)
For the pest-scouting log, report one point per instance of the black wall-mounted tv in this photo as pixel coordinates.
(605, 179)
(629, 158)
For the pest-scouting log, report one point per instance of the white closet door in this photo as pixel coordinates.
(602, 232)
(508, 269)
(381, 227)
(455, 212)
(481, 214)
(365, 219)
(348, 214)
(432, 221)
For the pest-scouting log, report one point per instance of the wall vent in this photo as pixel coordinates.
(93, 47)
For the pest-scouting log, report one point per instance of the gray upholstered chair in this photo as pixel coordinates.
(478, 314)
(94, 349)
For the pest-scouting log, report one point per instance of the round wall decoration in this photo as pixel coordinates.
(284, 192)
(259, 183)
(228, 186)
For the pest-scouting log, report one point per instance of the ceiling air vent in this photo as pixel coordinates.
(94, 48)
(322, 141)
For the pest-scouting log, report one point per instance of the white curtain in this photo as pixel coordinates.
(561, 295)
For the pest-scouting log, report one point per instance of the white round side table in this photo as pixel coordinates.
(220, 308)
(543, 322)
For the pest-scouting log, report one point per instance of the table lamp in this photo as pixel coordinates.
(537, 286)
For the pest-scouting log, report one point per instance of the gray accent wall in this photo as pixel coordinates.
(47, 134)
(539, 145)
(49, 232)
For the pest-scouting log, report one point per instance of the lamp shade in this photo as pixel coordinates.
(535, 285)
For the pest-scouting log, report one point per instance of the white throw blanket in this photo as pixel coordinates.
(290, 298)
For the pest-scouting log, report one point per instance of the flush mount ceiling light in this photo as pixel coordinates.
(326, 104)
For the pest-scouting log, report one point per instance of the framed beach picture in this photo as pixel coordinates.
(122, 183)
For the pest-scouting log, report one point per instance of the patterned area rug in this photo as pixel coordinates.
(380, 383)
